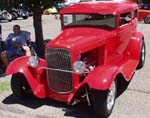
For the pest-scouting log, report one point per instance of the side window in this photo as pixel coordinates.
(125, 18)
(134, 13)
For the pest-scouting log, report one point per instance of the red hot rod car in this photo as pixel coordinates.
(96, 54)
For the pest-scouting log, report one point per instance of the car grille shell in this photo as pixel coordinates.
(59, 81)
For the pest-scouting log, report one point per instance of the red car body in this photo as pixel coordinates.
(110, 49)
(144, 15)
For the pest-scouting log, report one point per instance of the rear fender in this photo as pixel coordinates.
(101, 77)
(134, 47)
(33, 75)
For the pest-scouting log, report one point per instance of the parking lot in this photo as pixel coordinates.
(133, 103)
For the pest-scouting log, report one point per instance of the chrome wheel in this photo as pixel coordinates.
(111, 96)
(142, 56)
(147, 20)
(103, 101)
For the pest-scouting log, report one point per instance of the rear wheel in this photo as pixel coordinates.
(103, 101)
(20, 86)
(147, 20)
(142, 55)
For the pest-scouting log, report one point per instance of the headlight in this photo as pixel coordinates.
(33, 61)
(79, 67)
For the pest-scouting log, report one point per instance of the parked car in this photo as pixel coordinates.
(146, 6)
(60, 6)
(14, 14)
(48, 11)
(20, 12)
(144, 11)
(144, 15)
(71, 2)
(92, 59)
(5, 15)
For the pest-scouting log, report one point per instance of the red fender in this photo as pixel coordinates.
(102, 77)
(33, 75)
(134, 47)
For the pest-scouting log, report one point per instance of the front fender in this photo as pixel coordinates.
(18, 65)
(102, 77)
(33, 75)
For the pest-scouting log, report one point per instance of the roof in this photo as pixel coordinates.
(102, 7)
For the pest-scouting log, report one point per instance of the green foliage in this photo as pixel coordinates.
(146, 1)
(143, 1)
(5, 4)
(42, 3)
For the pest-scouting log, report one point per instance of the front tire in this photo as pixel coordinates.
(103, 101)
(142, 55)
(20, 86)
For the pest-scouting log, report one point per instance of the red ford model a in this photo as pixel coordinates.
(92, 59)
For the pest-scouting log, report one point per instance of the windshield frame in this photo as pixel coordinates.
(93, 22)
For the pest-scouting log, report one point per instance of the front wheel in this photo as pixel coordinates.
(103, 101)
(20, 86)
(142, 55)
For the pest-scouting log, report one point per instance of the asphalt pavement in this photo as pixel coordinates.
(133, 103)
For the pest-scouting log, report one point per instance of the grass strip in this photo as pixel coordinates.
(4, 86)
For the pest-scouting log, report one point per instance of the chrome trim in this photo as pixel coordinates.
(68, 71)
(59, 70)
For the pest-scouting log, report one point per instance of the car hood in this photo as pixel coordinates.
(82, 38)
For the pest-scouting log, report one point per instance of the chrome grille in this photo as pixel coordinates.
(59, 58)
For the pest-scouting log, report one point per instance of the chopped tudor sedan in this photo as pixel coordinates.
(92, 59)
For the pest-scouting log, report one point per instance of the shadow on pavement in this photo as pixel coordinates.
(2, 74)
(81, 110)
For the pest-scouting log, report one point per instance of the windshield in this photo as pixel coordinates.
(92, 20)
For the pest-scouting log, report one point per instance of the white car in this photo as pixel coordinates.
(70, 2)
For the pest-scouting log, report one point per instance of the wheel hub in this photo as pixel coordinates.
(111, 96)
(147, 20)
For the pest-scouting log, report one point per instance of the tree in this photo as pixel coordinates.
(146, 1)
(37, 6)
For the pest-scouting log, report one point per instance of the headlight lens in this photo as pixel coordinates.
(79, 67)
(33, 61)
